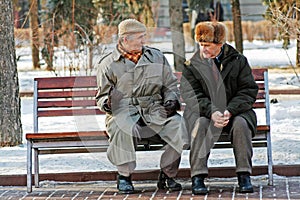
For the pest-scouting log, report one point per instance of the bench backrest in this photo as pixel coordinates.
(64, 96)
(71, 96)
(262, 99)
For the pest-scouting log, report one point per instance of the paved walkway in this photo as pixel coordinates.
(283, 188)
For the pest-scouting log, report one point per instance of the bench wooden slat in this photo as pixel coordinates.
(263, 128)
(259, 74)
(67, 103)
(261, 85)
(72, 145)
(66, 134)
(283, 92)
(70, 112)
(66, 94)
(66, 82)
(261, 95)
(228, 145)
(78, 150)
(259, 105)
(91, 150)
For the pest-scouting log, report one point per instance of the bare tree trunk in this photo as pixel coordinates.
(298, 51)
(298, 35)
(34, 24)
(10, 113)
(47, 29)
(237, 25)
(176, 21)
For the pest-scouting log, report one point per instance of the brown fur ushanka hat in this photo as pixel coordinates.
(214, 32)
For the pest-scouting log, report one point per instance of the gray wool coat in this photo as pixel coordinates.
(145, 86)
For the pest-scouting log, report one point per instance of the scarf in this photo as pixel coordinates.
(134, 57)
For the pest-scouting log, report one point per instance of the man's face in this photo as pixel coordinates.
(134, 42)
(210, 50)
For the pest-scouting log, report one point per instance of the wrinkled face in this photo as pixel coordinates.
(134, 42)
(209, 49)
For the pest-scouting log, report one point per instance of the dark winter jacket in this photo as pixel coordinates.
(235, 90)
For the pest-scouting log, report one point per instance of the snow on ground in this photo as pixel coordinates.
(285, 120)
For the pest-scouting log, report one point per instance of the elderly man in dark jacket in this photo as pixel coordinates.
(219, 90)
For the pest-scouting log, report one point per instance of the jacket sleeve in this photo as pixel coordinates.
(247, 90)
(192, 89)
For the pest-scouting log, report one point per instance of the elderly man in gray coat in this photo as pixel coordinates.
(138, 91)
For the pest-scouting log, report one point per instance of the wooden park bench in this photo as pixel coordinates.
(75, 96)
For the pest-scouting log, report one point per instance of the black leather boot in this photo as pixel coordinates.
(124, 185)
(244, 181)
(165, 182)
(198, 186)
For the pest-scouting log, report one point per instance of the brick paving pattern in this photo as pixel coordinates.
(283, 188)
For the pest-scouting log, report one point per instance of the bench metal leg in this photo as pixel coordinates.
(36, 168)
(29, 166)
(270, 159)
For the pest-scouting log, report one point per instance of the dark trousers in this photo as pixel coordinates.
(203, 137)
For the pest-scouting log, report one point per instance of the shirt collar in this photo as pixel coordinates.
(220, 56)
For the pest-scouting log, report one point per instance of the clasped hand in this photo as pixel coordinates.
(221, 119)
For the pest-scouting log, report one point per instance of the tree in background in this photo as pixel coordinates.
(284, 14)
(72, 20)
(10, 113)
(237, 25)
(198, 11)
(32, 16)
(114, 11)
(34, 25)
(176, 21)
(199, 5)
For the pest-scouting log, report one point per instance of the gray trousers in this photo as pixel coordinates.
(205, 134)
(169, 161)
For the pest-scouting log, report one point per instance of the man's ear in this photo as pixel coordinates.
(125, 39)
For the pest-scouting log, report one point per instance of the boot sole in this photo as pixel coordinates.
(246, 191)
(174, 189)
(163, 187)
(200, 192)
(126, 192)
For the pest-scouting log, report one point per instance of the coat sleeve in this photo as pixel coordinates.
(247, 89)
(104, 84)
(170, 88)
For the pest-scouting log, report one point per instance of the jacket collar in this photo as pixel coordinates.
(228, 53)
(203, 65)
